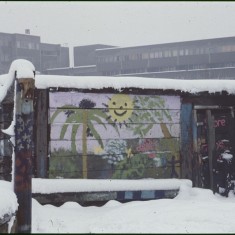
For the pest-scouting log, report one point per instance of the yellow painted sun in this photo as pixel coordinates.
(120, 107)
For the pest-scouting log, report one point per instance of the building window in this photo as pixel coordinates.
(126, 57)
(31, 45)
(133, 57)
(191, 51)
(152, 55)
(119, 58)
(181, 52)
(197, 51)
(49, 53)
(145, 56)
(100, 59)
(166, 53)
(201, 50)
(156, 54)
(207, 50)
(18, 44)
(175, 53)
(5, 58)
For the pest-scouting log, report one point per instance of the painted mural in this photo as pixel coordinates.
(119, 136)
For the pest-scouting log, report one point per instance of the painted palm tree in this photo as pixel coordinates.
(84, 115)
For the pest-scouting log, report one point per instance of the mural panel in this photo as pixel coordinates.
(114, 135)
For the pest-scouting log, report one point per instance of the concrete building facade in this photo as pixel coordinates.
(84, 62)
(29, 47)
(199, 59)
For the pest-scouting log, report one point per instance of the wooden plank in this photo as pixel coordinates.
(102, 197)
(137, 145)
(186, 140)
(195, 162)
(117, 131)
(211, 145)
(41, 141)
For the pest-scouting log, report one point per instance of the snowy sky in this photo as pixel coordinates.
(118, 23)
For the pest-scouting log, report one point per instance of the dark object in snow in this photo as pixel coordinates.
(224, 173)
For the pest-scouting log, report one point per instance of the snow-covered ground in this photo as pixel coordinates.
(194, 210)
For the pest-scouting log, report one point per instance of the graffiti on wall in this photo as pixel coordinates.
(114, 135)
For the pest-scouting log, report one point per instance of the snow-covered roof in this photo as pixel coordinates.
(119, 83)
(25, 69)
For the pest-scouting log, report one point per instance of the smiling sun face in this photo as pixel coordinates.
(120, 107)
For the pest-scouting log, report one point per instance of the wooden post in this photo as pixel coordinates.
(211, 145)
(24, 151)
(186, 140)
(41, 135)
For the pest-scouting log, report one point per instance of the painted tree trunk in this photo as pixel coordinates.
(165, 130)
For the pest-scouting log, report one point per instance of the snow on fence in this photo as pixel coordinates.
(47, 186)
(96, 192)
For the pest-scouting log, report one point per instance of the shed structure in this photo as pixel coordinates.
(133, 128)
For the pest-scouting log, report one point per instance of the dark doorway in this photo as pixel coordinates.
(214, 145)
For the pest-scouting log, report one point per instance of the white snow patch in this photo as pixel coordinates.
(8, 200)
(227, 156)
(10, 223)
(5, 84)
(23, 69)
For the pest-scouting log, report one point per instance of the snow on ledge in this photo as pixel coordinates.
(47, 186)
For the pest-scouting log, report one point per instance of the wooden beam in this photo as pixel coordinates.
(211, 145)
(41, 135)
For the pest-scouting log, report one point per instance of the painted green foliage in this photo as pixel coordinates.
(158, 114)
(155, 164)
(64, 163)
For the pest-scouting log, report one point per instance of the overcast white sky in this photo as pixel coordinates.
(118, 23)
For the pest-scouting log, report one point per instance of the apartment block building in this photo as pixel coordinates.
(199, 59)
(53, 56)
(29, 47)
